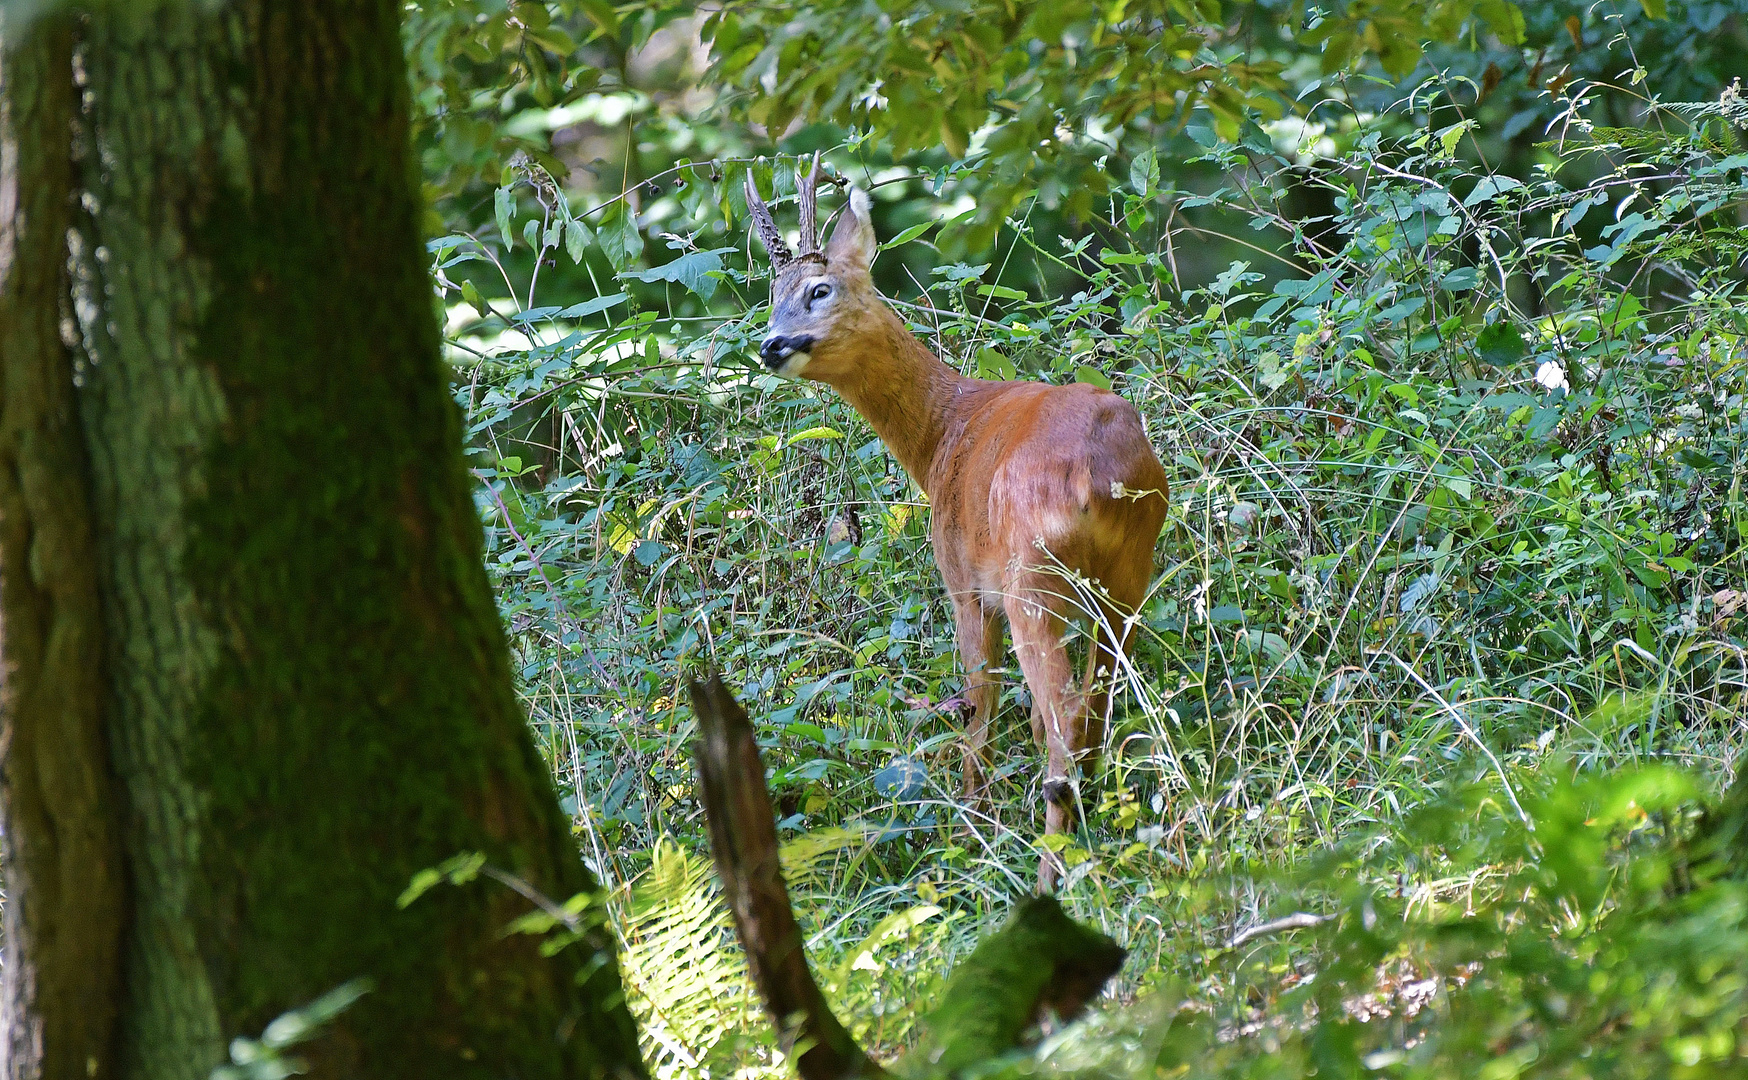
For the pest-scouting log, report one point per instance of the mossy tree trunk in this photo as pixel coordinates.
(61, 839)
(226, 372)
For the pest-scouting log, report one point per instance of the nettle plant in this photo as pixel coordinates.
(1451, 465)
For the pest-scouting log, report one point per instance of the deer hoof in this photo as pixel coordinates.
(1059, 791)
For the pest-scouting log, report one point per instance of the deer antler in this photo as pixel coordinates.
(809, 214)
(769, 234)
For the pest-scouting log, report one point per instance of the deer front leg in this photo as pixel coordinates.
(1056, 708)
(979, 636)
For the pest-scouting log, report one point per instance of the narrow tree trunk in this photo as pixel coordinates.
(63, 915)
(308, 692)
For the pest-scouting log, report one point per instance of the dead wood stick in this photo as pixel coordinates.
(1299, 920)
(743, 837)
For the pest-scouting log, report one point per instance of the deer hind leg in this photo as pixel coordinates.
(1057, 708)
(980, 650)
(1102, 663)
(1108, 647)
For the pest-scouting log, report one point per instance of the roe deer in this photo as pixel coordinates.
(1019, 476)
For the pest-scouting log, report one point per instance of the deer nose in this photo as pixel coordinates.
(777, 348)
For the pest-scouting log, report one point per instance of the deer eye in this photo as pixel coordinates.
(820, 292)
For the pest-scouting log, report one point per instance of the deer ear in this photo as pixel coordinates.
(852, 241)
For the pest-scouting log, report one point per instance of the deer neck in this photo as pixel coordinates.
(904, 392)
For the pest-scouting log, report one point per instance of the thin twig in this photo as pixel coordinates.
(534, 896)
(1298, 920)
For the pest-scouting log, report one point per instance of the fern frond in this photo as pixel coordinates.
(685, 977)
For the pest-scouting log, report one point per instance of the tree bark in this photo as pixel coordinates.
(307, 693)
(61, 844)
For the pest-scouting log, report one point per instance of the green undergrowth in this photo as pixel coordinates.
(1456, 544)
(1567, 924)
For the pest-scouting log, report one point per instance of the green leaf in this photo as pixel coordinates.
(1655, 9)
(991, 364)
(908, 235)
(1506, 20)
(1450, 136)
(892, 926)
(577, 239)
(693, 270)
(504, 206)
(590, 307)
(531, 233)
(601, 13)
(1491, 186)
(1144, 173)
(1000, 292)
(1462, 279)
(1500, 344)
(1273, 373)
(457, 870)
(620, 241)
(1092, 376)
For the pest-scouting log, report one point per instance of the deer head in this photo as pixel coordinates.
(820, 300)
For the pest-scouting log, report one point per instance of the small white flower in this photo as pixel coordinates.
(1552, 375)
(1198, 599)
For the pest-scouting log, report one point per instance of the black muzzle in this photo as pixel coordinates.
(774, 350)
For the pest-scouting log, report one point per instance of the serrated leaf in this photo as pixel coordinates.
(1500, 344)
(1449, 137)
